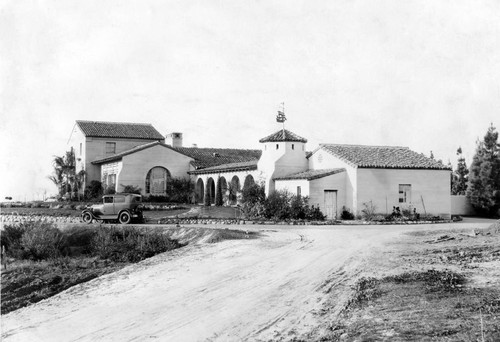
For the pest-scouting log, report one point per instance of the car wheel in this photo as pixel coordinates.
(87, 218)
(124, 218)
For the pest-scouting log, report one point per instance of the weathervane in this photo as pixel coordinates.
(281, 115)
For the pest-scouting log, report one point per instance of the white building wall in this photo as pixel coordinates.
(136, 166)
(324, 160)
(291, 186)
(337, 182)
(428, 187)
(281, 159)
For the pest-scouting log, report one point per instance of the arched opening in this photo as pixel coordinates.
(200, 190)
(225, 191)
(156, 181)
(234, 187)
(210, 190)
(249, 181)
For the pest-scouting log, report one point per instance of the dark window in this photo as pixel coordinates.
(108, 199)
(277, 146)
(110, 148)
(404, 193)
(293, 147)
(299, 190)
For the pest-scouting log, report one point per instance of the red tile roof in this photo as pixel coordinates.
(311, 174)
(202, 157)
(283, 135)
(102, 129)
(208, 157)
(385, 157)
(135, 149)
(243, 166)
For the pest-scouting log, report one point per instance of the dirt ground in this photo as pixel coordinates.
(290, 284)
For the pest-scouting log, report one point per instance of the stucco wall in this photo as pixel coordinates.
(291, 186)
(281, 161)
(95, 148)
(381, 186)
(337, 182)
(460, 205)
(324, 160)
(136, 166)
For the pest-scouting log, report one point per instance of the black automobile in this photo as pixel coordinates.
(122, 207)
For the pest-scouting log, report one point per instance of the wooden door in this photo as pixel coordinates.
(331, 204)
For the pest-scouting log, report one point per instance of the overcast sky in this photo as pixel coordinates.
(422, 74)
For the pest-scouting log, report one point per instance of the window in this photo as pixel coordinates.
(110, 148)
(299, 191)
(277, 146)
(108, 199)
(111, 180)
(156, 181)
(293, 147)
(404, 193)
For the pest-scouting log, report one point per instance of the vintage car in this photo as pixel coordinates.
(122, 207)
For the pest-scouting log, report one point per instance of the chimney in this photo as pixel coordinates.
(174, 139)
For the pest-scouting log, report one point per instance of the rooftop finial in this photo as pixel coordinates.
(281, 116)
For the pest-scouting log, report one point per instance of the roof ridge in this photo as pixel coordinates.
(116, 122)
(361, 145)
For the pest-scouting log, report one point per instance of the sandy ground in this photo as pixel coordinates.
(269, 288)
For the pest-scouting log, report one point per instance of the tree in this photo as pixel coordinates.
(484, 177)
(460, 176)
(207, 199)
(218, 193)
(65, 176)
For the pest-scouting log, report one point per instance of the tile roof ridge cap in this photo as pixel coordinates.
(115, 122)
(361, 145)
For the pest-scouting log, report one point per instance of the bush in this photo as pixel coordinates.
(110, 190)
(129, 244)
(253, 194)
(180, 190)
(131, 189)
(94, 190)
(277, 205)
(11, 238)
(41, 241)
(368, 211)
(346, 214)
(281, 205)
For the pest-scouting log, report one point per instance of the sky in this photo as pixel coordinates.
(422, 74)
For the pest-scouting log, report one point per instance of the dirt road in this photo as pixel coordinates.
(269, 288)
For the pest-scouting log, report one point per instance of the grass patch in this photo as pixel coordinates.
(432, 305)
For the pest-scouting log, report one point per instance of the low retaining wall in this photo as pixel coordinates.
(13, 219)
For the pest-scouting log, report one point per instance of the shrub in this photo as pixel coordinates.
(110, 190)
(277, 205)
(253, 194)
(314, 213)
(94, 190)
(11, 238)
(129, 244)
(368, 211)
(41, 241)
(253, 210)
(131, 189)
(346, 214)
(206, 200)
(180, 190)
(218, 193)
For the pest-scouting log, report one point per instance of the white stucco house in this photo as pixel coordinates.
(333, 176)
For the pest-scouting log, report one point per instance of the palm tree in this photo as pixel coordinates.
(65, 176)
